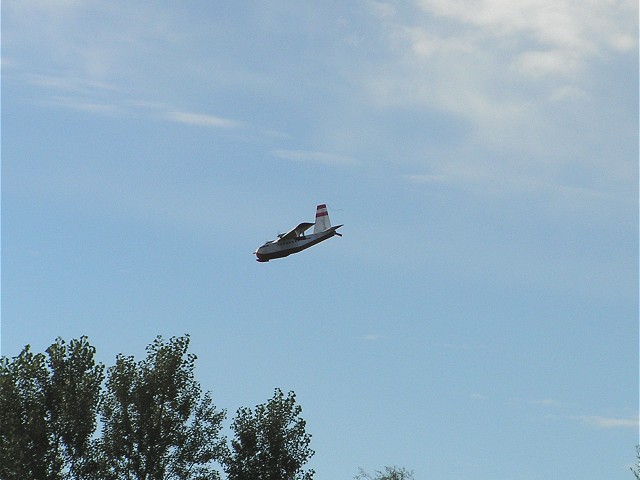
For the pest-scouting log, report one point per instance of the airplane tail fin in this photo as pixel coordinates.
(322, 219)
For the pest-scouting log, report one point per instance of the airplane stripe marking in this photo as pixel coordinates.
(321, 214)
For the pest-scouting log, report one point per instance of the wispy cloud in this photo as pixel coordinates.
(547, 402)
(87, 105)
(91, 99)
(478, 396)
(501, 179)
(69, 83)
(202, 119)
(372, 337)
(608, 422)
(96, 97)
(315, 157)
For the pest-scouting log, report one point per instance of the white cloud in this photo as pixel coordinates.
(382, 9)
(96, 40)
(372, 337)
(502, 66)
(540, 63)
(315, 157)
(585, 27)
(69, 83)
(501, 69)
(478, 396)
(567, 93)
(609, 422)
(547, 402)
(96, 97)
(504, 179)
(425, 178)
(201, 119)
(93, 96)
(85, 105)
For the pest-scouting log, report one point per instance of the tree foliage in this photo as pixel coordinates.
(25, 444)
(270, 442)
(48, 410)
(157, 423)
(389, 473)
(73, 399)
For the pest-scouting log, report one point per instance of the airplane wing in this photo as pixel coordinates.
(296, 232)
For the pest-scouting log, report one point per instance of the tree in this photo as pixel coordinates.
(157, 424)
(270, 443)
(26, 447)
(48, 412)
(73, 396)
(390, 473)
(156, 421)
(636, 470)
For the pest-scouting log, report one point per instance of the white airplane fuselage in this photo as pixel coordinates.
(284, 248)
(295, 240)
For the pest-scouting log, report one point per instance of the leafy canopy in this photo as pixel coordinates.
(270, 442)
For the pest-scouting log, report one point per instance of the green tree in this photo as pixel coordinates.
(270, 442)
(48, 412)
(26, 446)
(390, 473)
(73, 397)
(157, 424)
(636, 470)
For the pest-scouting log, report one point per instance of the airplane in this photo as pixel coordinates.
(295, 240)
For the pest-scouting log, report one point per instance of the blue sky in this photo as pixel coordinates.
(479, 317)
